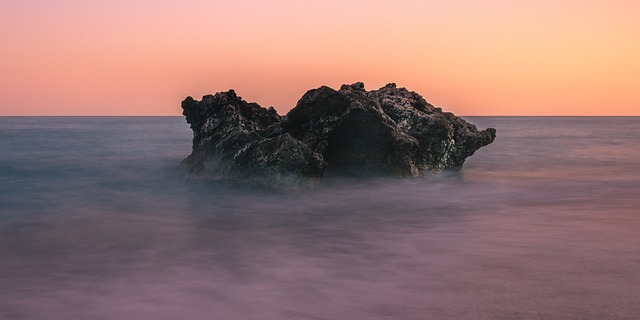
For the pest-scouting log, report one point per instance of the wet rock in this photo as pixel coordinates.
(351, 131)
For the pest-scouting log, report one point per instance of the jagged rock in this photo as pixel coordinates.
(232, 142)
(351, 131)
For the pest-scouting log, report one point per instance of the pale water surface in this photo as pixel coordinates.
(96, 223)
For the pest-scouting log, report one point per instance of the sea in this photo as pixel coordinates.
(97, 222)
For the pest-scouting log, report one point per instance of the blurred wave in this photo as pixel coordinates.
(97, 223)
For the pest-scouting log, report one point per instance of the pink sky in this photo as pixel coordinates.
(491, 57)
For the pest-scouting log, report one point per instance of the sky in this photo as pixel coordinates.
(491, 57)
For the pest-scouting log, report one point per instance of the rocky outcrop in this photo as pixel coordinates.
(351, 131)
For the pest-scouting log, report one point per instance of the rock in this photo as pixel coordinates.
(351, 131)
(234, 141)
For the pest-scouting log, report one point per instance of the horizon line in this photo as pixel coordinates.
(167, 116)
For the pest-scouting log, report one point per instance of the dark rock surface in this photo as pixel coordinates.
(351, 131)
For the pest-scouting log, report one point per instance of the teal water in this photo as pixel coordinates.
(97, 223)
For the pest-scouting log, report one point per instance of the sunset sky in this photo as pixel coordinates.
(492, 57)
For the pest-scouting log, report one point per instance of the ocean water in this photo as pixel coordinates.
(97, 223)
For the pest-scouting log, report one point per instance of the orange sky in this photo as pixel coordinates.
(492, 57)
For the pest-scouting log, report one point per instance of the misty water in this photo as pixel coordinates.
(96, 222)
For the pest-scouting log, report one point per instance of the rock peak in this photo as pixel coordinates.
(358, 86)
(389, 86)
